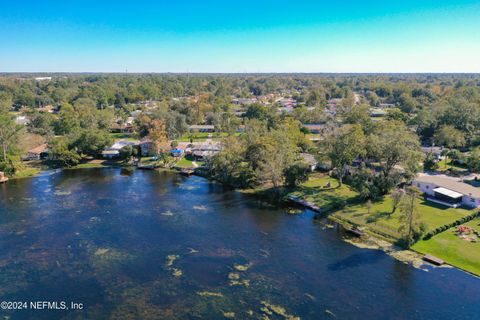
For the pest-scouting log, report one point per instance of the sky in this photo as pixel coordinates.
(240, 36)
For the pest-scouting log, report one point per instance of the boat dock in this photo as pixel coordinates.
(304, 203)
(3, 178)
(433, 260)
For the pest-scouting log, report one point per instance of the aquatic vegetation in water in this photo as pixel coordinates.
(270, 309)
(101, 251)
(294, 211)
(200, 208)
(63, 193)
(167, 213)
(191, 250)
(233, 276)
(171, 259)
(229, 315)
(209, 294)
(177, 272)
(242, 267)
(330, 313)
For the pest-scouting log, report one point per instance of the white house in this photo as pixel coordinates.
(448, 191)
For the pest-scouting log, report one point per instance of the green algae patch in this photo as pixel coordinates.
(209, 294)
(270, 309)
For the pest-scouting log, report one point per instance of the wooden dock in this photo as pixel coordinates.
(3, 178)
(433, 260)
(304, 203)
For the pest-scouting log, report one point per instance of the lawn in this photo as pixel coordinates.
(454, 250)
(202, 136)
(381, 221)
(328, 198)
(442, 167)
(185, 163)
(122, 136)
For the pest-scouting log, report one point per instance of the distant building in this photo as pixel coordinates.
(310, 160)
(22, 120)
(205, 150)
(448, 191)
(244, 101)
(201, 128)
(37, 153)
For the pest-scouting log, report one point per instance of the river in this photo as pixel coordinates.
(157, 245)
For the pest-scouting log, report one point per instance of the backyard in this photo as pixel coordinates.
(453, 249)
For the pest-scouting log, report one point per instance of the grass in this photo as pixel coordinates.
(202, 136)
(381, 221)
(454, 250)
(122, 136)
(327, 198)
(442, 166)
(184, 163)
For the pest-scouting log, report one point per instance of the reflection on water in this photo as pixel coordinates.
(155, 245)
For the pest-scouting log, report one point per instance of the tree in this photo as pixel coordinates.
(430, 162)
(450, 137)
(392, 144)
(411, 227)
(344, 146)
(158, 136)
(397, 197)
(296, 174)
(9, 134)
(473, 160)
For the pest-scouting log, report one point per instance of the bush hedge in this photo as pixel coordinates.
(451, 225)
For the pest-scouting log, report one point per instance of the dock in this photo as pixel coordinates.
(433, 260)
(3, 178)
(304, 203)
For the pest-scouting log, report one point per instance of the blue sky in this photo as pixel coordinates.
(242, 36)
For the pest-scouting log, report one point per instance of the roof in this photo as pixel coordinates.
(39, 149)
(201, 126)
(448, 193)
(451, 184)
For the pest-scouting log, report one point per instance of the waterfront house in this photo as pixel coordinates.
(114, 150)
(37, 153)
(146, 147)
(205, 150)
(448, 191)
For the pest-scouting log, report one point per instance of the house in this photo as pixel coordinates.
(435, 151)
(146, 147)
(205, 150)
(244, 101)
(310, 160)
(448, 191)
(201, 128)
(315, 128)
(377, 112)
(22, 120)
(114, 150)
(37, 153)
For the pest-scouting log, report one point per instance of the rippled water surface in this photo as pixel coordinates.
(156, 245)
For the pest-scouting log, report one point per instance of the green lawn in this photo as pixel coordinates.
(328, 198)
(185, 163)
(202, 136)
(381, 221)
(122, 136)
(442, 167)
(454, 250)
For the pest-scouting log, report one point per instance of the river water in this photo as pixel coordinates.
(157, 245)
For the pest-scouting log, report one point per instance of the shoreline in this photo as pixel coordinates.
(367, 241)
